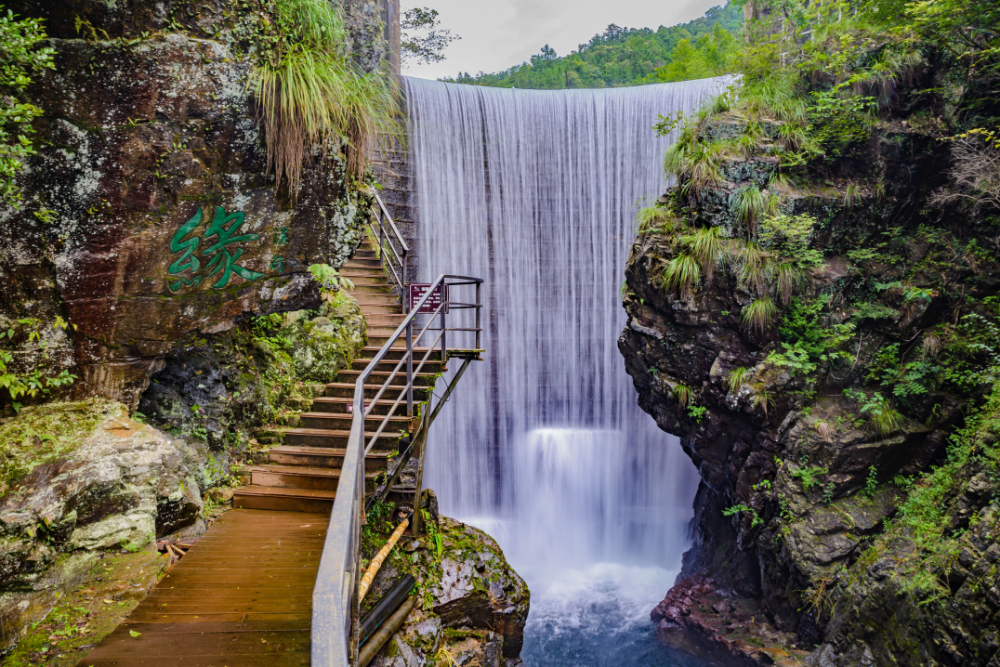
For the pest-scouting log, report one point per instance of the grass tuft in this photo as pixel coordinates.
(681, 274)
(708, 247)
(759, 314)
(309, 91)
(738, 377)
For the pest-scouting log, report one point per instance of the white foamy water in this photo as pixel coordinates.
(544, 445)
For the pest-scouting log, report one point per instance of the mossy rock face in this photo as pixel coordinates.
(329, 343)
(473, 604)
(79, 478)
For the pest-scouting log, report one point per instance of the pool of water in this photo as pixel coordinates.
(599, 617)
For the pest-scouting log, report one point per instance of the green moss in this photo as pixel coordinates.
(46, 433)
(112, 587)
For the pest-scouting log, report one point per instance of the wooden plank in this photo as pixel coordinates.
(240, 597)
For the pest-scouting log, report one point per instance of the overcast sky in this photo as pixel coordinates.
(501, 33)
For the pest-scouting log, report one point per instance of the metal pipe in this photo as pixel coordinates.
(385, 607)
(371, 649)
(409, 369)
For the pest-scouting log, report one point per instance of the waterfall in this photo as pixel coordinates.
(544, 444)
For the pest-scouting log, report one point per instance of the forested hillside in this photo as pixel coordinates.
(630, 56)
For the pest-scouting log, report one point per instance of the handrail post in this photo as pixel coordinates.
(403, 277)
(444, 326)
(409, 369)
(479, 314)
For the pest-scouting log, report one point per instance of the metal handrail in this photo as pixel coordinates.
(387, 235)
(335, 600)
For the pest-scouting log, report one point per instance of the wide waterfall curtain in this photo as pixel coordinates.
(536, 191)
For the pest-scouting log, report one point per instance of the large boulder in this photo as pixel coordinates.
(84, 477)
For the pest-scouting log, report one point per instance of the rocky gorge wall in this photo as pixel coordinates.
(149, 211)
(848, 497)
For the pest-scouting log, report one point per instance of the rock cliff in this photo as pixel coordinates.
(832, 380)
(149, 210)
(79, 479)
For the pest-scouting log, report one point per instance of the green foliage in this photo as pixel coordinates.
(738, 377)
(424, 47)
(697, 412)
(752, 205)
(658, 218)
(713, 54)
(681, 394)
(808, 341)
(19, 60)
(790, 236)
(629, 57)
(759, 314)
(681, 274)
(708, 247)
(25, 337)
(808, 475)
(310, 91)
(756, 266)
(882, 417)
(740, 509)
(692, 161)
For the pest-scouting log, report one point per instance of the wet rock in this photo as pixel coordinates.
(475, 605)
(101, 482)
(143, 131)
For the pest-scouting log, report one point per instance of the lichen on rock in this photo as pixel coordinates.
(81, 478)
(473, 606)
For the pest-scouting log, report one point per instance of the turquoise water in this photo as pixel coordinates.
(599, 617)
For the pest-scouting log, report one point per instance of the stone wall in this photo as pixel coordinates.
(149, 210)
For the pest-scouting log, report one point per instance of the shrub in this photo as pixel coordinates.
(738, 377)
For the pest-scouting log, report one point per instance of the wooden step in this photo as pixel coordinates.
(379, 378)
(430, 366)
(322, 457)
(383, 313)
(338, 406)
(356, 272)
(371, 287)
(357, 262)
(346, 390)
(316, 437)
(285, 500)
(334, 422)
(393, 353)
(295, 477)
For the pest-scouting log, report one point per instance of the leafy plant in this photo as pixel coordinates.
(21, 58)
(809, 476)
(697, 412)
(755, 520)
(882, 417)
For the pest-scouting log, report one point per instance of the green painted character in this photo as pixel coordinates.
(278, 264)
(218, 255)
(281, 237)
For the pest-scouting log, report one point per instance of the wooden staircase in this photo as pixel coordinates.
(304, 471)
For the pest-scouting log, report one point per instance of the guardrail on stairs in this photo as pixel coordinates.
(392, 249)
(335, 613)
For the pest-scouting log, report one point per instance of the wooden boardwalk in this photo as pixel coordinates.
(241, 597)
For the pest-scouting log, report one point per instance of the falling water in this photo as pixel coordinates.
(544, 445)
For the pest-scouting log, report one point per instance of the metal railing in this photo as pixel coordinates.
(335, 601)
(392, 249)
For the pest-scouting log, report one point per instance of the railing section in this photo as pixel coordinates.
(392, 249)
(445, 322)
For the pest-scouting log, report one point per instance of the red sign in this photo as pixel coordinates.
(417, 291)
